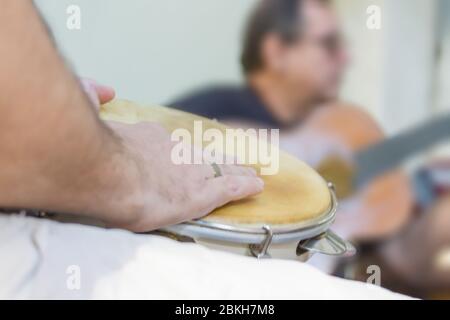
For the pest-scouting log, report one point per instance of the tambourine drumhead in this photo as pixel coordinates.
(296, 196)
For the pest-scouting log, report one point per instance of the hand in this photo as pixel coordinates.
(420, 253)
(97, 93)
(168, 194)
(163, 193)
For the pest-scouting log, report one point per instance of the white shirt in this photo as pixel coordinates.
(42, 259)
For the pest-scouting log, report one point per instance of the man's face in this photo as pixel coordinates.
(315, 63)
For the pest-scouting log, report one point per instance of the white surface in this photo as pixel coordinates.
(36, 254)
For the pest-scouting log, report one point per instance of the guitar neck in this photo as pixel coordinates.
(390, 153)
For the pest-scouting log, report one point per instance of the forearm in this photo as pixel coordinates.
(56, 155)
(54, 149)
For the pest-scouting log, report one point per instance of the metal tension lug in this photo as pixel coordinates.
(327, 243)
(260, 251)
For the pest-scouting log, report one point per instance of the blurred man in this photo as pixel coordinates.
(293, 60)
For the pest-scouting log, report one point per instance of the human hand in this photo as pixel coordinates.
(97, 93)
(168, 194)
(161, 193)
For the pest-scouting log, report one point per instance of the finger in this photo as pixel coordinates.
(105, 93)
(228, 170)
(237, 170)
(223, 190)
(90, 88)
(98, 93)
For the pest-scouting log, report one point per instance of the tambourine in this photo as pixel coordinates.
(290, 219)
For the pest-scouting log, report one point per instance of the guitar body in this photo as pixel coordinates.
(416, 261)
(328, 140)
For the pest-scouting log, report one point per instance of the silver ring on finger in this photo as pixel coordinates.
(217, 171)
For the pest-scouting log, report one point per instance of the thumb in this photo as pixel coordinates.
(104, 93)
(89, 88)
(97, 93)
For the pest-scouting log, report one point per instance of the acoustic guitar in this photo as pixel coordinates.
(381, 198)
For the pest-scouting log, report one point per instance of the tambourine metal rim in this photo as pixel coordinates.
(201, 229)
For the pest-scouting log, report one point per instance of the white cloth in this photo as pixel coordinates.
(39, 260)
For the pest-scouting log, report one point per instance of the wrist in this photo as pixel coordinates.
(119, 198)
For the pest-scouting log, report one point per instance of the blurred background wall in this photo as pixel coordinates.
(443, 61)
(155, 50)
(152, 50)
